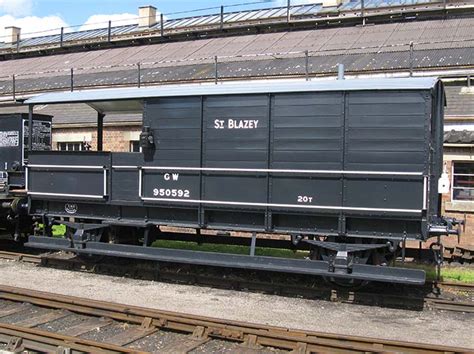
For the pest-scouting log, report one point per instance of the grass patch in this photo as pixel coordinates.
(448, 273)
(58, 230)
(231, 249)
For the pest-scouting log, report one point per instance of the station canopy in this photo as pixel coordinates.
(130, 100)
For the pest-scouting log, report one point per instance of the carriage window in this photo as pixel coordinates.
(71, 146)
(463, 181)
(135, 146)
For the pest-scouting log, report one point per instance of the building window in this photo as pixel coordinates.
(135, 146)
(70, 146)
(463, 181)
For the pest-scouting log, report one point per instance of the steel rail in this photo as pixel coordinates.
(448, 305)
(21, 257)
(457, 286)
(285, 290)
(44, 341)
(278, 337)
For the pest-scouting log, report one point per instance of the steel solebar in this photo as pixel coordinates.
(271, 264)
(277, 337)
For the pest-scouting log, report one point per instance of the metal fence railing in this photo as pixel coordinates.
(406, 57)
(216, 17)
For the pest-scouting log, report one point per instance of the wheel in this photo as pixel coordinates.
(348, 283)
(378, 257)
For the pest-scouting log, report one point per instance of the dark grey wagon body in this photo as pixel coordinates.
(345, 159)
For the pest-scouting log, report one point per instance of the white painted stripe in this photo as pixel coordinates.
(140, 188)
(26, 178)
(105, 182)
(195, 201)
(67, 195)
(264, 170)
(68, 166)
(425, 192)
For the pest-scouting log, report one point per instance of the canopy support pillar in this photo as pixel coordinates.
(100, 131)
(30, 127)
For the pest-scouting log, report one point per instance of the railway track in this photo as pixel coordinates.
(32, 320)
(433, 296)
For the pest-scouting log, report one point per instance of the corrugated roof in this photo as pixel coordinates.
(230, 19)
(459, 137)
(233, 88)
(460, 101)
(76, 115)
(438, 44)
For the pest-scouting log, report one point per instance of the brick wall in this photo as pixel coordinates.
(115, 138)
(459, 210)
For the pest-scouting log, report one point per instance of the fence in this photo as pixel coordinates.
(218, 17)
(306, 64)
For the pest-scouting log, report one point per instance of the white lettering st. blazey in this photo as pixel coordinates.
(236, 124)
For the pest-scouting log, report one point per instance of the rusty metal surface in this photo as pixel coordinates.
(44, 341)
(200, 329)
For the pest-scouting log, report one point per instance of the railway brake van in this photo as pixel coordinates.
(347, 169)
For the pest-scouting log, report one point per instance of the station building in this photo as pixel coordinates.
(377, 38)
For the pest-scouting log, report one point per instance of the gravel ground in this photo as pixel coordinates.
(436, 327)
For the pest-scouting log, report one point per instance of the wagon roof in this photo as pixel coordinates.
(247, 87)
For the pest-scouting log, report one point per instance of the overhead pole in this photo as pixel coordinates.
(288, 14)
(362, 11)
(109, 31)
(306, 62)
(222, 17)
(340, 71)
(162, 28)
(72, 79)
(14, 87)
(139, 74)
(216, 68)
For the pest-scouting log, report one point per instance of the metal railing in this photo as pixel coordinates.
(217, 17)
(306, 64)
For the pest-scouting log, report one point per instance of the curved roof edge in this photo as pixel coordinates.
(232, 88)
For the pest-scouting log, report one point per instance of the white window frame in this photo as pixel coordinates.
(130, 144)
(460, 174)
(81, 143)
